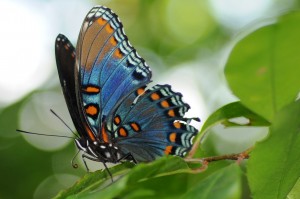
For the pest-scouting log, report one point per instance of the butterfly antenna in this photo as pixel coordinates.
(64, 123)
(75, 165)
(27, 132)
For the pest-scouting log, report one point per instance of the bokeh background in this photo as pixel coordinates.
(186, 43)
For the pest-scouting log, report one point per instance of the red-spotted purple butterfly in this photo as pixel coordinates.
(104, 83)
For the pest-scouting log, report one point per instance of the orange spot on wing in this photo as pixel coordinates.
(90, 133)
(177, 125)
(122, 132)
(101, 21)
(91, 110)
(165, 104)
(171, 113)
(66, 47)
(140, 91)
(168, 150)
(108, 28)
(154, 96)
(104, 134)
(91, 89)
(172, 137)
(135, 126)
(118, 53)
(113, 41)
(117, 120)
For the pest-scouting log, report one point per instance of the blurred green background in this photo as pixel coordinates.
(186, 43)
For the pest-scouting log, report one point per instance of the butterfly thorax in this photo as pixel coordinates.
(102, 152)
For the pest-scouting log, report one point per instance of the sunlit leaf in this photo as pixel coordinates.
(142, 172)
(231, 111)
(273, 168)
(167, 177)
(220, 185)
(94, 180)
(263, 68)
(295, 192)
(224, 115)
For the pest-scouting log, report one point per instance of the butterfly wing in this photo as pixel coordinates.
(109, 69)
(65, 61)
(154, 125)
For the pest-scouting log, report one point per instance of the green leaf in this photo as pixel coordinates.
(263, 68)
(273, 168)
(94, 184)
(222, 184)
(295, 192)
(167, 177)
(147, 180)
(94, 180)
(231, 111)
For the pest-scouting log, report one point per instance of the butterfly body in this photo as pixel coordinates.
(102, 152)
(104, 82)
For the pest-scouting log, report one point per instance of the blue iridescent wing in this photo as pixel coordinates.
(153, 125)
(109, 69)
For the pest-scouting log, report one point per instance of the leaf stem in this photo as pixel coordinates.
(205, 161)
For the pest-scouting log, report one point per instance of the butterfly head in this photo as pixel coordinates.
(103, 152)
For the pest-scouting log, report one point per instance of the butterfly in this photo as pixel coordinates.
(104, 82)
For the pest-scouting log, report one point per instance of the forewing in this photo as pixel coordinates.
(109, 69)
(65, 61)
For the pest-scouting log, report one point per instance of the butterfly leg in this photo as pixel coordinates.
(96, 160)
(128, 156)
(90, 158)
(108, 171)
